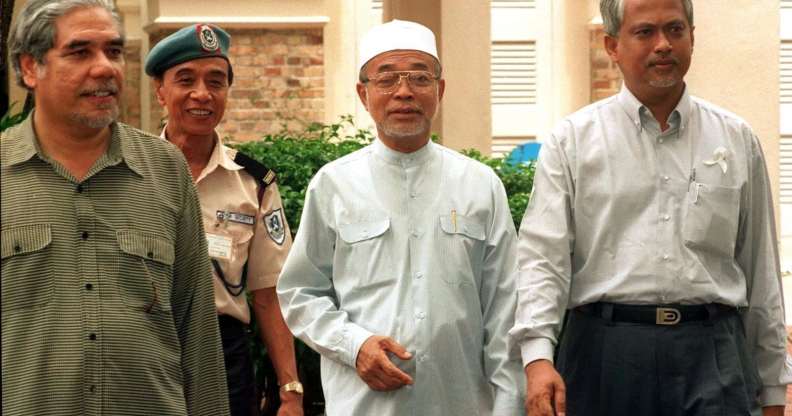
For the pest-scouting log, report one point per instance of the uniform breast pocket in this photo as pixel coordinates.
(362, 252)
(712, 218)
(27, 267)
(145, 271)
(462, 245)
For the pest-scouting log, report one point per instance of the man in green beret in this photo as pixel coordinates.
(247, 234)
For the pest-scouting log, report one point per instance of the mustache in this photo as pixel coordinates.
(103, 86)
(664, 60)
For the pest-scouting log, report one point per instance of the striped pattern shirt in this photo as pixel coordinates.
(107, 304)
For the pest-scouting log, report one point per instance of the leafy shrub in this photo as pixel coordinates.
(11, 119)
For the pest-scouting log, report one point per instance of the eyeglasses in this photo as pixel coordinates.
(388, 82)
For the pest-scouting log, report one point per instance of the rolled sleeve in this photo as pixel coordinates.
(267, 255)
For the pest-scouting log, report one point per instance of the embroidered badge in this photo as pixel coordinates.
(275, 228)
(719, 157)
(208, 38)
(235, 217)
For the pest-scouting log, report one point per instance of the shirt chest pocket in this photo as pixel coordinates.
(362, 253)
(712, 219)
(145, 271)
(462, 243)
(27, 267)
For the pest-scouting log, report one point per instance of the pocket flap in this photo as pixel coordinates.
(25, 239)
(353, 233)
(464, 225)
(146, 245)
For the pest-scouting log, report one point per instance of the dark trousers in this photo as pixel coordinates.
(692, 368)
(239, 367)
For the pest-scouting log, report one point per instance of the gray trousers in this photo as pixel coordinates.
(693, 368)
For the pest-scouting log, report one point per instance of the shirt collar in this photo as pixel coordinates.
(394, 157)
(680, 116)
(27, 146)
(219, 157)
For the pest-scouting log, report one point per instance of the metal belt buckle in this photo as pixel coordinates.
(667, 316)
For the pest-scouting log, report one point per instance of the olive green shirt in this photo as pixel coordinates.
(107, 304)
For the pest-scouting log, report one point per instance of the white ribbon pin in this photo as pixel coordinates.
(719, 157)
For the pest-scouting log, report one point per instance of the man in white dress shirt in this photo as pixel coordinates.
(651, 225)
(402, 275)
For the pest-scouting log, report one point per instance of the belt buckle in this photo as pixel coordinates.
(667, 316)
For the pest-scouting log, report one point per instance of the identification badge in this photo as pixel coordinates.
(219, 246)
(235, 217)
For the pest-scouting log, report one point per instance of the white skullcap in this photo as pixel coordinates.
(396, 35)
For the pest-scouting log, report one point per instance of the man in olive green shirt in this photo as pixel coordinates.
(107, 304)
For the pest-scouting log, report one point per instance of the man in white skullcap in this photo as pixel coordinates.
(402, 274)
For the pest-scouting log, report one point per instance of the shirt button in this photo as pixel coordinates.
(666, 217)
(92, 337)
(666, 257)
(88, 286)
(17, 248)
(661, 141)
(84, 235)
(79, 189)
(418, 275)
(413, 195)
(416, 233)
(666, 179)
(92, 389)
(150, 254)
(420, 315)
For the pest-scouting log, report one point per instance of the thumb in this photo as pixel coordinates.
(559, 398)
(397, 349)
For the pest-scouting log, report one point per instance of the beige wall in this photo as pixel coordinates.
(738, 68)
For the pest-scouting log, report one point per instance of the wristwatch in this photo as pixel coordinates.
(294, 386)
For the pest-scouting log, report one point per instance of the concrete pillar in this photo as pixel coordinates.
(462, 28)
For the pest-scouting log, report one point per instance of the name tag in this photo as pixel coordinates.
(235, 217)
(219, 246)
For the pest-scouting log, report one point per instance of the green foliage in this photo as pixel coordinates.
(516, 178)
(10, 119)
(297, 156)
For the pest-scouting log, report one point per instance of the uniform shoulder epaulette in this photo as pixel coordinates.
(255, 168)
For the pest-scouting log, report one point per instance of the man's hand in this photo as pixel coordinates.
(773, 411)
(545, 390)
(376, 369)
(291, 404)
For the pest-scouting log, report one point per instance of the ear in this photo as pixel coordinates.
(30, 69)
(363, 94)
(612, 46)
(692, 37)
(158, 92)
(440, 89)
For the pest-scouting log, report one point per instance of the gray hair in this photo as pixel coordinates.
(33, 32)
(613, 13)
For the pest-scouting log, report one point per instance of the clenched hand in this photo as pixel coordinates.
(376, 369)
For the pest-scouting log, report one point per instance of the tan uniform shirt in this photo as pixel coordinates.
(238, 230)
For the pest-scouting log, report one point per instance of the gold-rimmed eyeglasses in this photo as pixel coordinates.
(388, 82)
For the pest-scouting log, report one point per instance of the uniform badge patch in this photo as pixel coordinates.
(275, 228)
(208, 38)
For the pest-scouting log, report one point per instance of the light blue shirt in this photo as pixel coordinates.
(622, 212)
(419, 247)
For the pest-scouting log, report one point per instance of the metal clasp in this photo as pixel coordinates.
(667, 316)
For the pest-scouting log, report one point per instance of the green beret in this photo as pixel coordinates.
(189, 43)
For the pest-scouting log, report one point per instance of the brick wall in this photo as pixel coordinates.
(130, 103)
(605, 76)
(278, 79)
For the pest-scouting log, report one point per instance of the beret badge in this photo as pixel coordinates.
(208, 38)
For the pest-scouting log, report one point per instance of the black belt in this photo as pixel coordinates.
(656, 314)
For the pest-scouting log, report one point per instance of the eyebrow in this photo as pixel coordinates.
(80, 43)
(414, 66)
